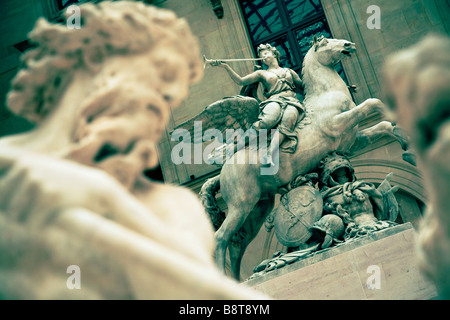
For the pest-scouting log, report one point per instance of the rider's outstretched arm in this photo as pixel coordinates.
(242, 81)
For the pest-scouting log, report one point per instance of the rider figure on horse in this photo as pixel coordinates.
(282, 106)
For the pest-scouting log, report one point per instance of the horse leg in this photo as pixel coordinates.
(352, 117)
(368, 136)
(247, 233)
(239, 207)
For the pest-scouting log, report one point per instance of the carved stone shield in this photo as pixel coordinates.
(299, 209)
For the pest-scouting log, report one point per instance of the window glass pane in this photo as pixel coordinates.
(263, 18)
(300, 10)
(305, 37)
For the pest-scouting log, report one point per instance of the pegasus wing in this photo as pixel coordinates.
(237, 112)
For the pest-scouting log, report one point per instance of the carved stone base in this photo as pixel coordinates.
(382, 265)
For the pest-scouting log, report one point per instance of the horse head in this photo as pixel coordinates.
(331, 51)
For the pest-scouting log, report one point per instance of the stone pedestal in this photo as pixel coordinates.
(382, 265)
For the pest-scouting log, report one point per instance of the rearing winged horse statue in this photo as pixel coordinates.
(331, 124)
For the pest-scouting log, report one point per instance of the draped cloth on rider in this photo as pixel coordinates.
(282, 92)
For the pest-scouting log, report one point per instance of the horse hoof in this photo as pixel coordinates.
(409, 157)
(402, 137)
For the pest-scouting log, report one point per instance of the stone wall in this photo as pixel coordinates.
(382, 266)
(219, 39)
(402, 23)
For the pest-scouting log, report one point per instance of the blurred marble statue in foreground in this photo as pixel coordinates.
(72, 191)
(418, 86)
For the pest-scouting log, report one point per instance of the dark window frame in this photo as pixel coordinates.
(288, 30)
(70, 2)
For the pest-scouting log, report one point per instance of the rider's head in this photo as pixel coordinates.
(267, 50)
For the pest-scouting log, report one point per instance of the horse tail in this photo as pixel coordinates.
(208, 198)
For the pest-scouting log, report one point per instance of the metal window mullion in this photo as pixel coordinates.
(294, 48)
(281, 6)
(249, 33)
(270, 38)
(309, 21)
